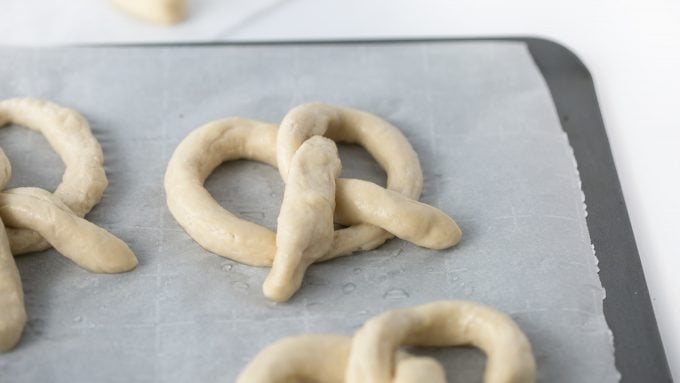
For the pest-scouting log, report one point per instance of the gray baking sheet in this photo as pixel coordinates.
(494, 156)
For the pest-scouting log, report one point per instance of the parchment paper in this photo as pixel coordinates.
(494, 156)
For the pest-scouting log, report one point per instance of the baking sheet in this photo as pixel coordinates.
(494, 157)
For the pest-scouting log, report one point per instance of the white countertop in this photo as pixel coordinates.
(632, 49)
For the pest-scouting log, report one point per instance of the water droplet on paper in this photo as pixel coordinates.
(85, 283)
(240, 285)
(395, 294)
(78, 319)
(226, 266)
(348, 288)
(357, 270)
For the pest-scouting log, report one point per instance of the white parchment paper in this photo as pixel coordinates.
(481, 119)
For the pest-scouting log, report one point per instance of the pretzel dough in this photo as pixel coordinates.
(89, 246)
(12, 311)
(373, 354)
(38, 216)
(323, 359)
(156, 11)
(84, 180)
(360, 201)
(305, 224)
(375, 214)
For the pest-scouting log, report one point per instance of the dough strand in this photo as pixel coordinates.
(69, 134)
(373, 354)
(12, 311)
(305, 224)
(38, 219)
(314, 197)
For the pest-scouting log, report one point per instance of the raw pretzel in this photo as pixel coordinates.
(309, 165)
(373, 354)
(38, 218)
(84, 180)
(156, 11)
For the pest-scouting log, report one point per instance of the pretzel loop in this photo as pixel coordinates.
(373, 354)
(84, 180)
(314, 197)
(38, 219)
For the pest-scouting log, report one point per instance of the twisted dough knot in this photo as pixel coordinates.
(314, 197)
(38, 219)
(373, 354)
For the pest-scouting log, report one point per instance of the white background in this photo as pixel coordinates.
(632, 49)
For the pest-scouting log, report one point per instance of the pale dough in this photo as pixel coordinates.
(373, 354)
(323, 359)
(375, 213)
(86, 244)
(12, 311)
(156, 11)
(305, 225)
(84, 180)
(365, 205)
(39, 218)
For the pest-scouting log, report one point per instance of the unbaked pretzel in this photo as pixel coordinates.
(84, 180)
(314, 196)
(156, 11)
(373, 354)
(38, 218)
